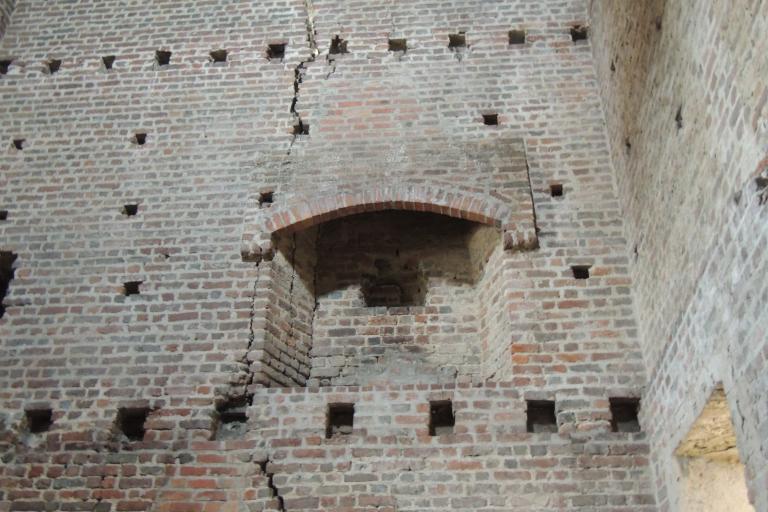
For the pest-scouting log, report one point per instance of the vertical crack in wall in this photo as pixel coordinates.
(530, 190)
(298, 73)
(251, 337)
(271, 484)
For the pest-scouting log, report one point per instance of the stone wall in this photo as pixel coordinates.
(684, 92)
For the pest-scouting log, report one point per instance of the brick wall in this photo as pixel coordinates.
(695, 214)
(406, 129)
(6, 9)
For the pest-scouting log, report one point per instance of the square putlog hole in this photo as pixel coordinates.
(163, 57)
(491, 119)
(301, 128)
(579, 33)
(456, 41)
(19, 144)
(130, 210)
(131, 420)
(340, 420)
(218, 56)
(516, 37)
(39, 420)
(7, 271)
(540, 416)
(108, 61)
(398, 45)
(581, 271)
(53, 65)
(139, 139)
(233, 420)
(132, 288)
(624, 414)
(276, 51)
(5, 66)
(441, 418)
(556, 190)
(338, 45)
(266, 198)
(3, 215)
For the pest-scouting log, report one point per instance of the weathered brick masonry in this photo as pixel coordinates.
(220, 255)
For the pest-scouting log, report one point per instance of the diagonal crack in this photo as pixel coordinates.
(299, 126)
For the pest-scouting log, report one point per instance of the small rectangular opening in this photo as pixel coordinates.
(129, 210)
(219, 55)
(19, 143)
(556, 190)
(39, 420)
(131, 420)
(458, 40)
(266, 198)
(140, 139)
(7, 270)
(301, 128)
(108, 61)
(3, 214)
(398, 45)
(441, 418)
(491, 119)
(579, 33)
(541, 416)
(132, 288)
(338, 45)
(163, 57)
(233, 420)
(54, 65)
(4, 66)
(624, 414)
(581, 271)
(276, 51)
(516, 37)
(340, 420)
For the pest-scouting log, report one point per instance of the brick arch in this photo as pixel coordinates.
(302, 211)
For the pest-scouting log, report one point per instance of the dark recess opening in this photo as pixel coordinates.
(132, 288)
(162, 57)
(457, 40)
(4, 65)
(679, 117)
(340, 420)
(266, 198)
(233, 420)
(579, 33)
(108, 61)
(627, 145)
(54, 65)
(491, 119)
(19, 143)
(301, 128)
(441, 418)
(276, 51)
(581, 271)
(7, 260)
(398, 45)
(338, 45)
(624, 414)
(129, 210)
(541, 416)
(219, 55)
(131, 422)
(3, 214)
(556, 190)
(516, 37)
(140, 139)
(39, 420)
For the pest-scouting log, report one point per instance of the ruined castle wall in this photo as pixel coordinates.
(695, 210)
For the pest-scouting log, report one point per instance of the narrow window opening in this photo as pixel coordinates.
(581, 271)
(398, 45)
(266, 198)
(39, 420)
(624, 414)
(3, 214)
(132, 288)
(340, 420)
(627, 145)
(219, 56)
(338, 45)
(233, 420)
(108, 61)
(441, 418)
(579, 33)
(163, 57)
(54, 65)
(4, 66)
(456, 41)
(131, 422)
(679, 118)
(129, 210)
(276, 51)
(301, 128)
(540, 415)
(491, 119)
(556, 190)
(517, 37)
(19, 143)
(140, 139)
(7, 270)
